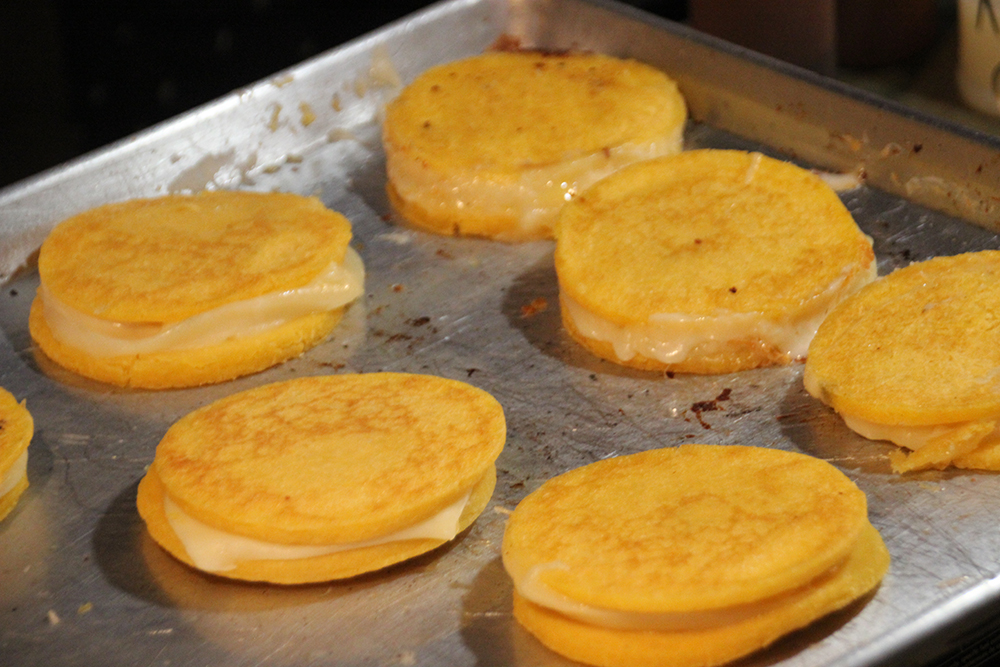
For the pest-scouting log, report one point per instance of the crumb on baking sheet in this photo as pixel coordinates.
(382, 70)
(506, 42)
(841, 182)
(308, 115)
(272, 124)
(536, 306)
(340, 134)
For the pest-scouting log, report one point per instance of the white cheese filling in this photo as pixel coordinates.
(671, 337)
(13, 477)
(535, 199)
(533, 590)
(911, 437)
(336, 286)
(214, 550)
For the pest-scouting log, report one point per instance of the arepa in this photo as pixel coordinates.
(911, 359)
(182, 290)
(493, 145)
(323, 478)
(710, 261)
(689, 556)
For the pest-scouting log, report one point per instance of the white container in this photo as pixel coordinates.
(978, 73)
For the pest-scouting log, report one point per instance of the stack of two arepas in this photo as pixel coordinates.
(179, 291)
(495, 144)
(709, 261)
(912, 359)
(688, 557)
(323, 478)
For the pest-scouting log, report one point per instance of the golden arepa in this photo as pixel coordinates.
(710, 261)
(688, 556)
(323, 478)
(16, 430)
(186, 290)
(495, 144)
(911, 359)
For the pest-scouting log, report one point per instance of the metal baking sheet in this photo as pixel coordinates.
(82, 584)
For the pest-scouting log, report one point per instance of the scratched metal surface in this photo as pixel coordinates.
(82, 584)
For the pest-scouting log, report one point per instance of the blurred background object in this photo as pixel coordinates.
(885, 32)
(822, 35)
(802, 32)
(979, 55)
(941, 57)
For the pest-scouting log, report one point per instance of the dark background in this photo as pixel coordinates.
(76, 75)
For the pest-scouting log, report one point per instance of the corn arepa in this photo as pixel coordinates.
(688, 556)
(323, 478)
(493, 145)
(16, 429)
(908, 359)
(183, 290)
(710, 261)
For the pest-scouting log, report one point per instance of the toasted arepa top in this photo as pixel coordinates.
(16, 429)
(505, 111)
(168, 258)
(330, 459)
(691, 528)
(706, 232)
(915, 347)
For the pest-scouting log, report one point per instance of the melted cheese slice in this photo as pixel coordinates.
(214, 550)
(14, 476)
(911, 437)
(532, 589)
(340, 284)
(535, 197)
(670, 337)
